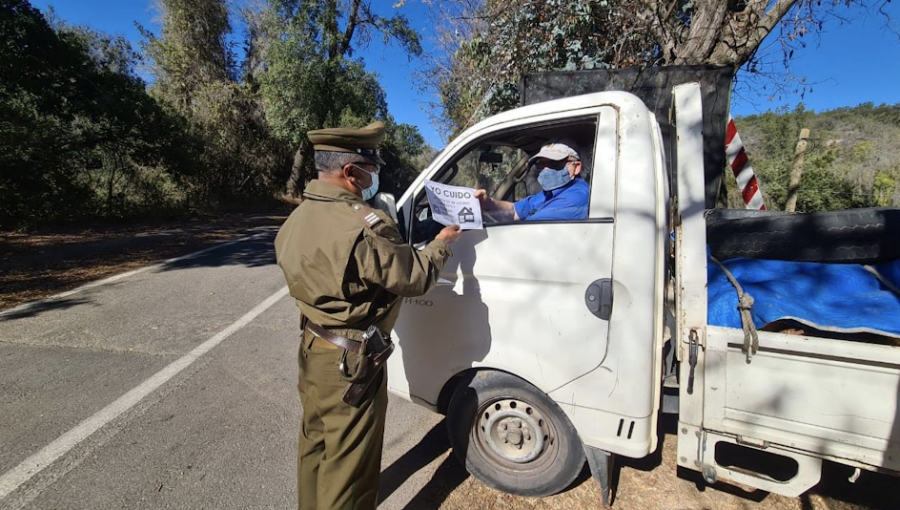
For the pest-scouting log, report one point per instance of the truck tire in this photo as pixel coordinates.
(512, 436)
(859, 236)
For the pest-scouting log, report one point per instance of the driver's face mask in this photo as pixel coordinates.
(551, 179)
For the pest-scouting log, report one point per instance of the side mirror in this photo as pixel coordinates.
(387, 203)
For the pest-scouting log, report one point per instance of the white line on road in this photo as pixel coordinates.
(111, 279)
(12, 479)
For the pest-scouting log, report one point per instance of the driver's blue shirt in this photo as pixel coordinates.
(569, 202)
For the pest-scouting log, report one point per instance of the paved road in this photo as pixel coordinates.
(176, 388)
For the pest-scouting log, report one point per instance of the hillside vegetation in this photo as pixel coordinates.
(853, 159)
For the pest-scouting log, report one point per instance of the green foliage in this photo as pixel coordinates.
(82, 136)
(240, 160)
(852, 160)
(542, 35)
(191, 51)
(402, 144)
(885, 189)
(311, 80)
(303, 90)
(399, 150)
(195, 76)
(78, 129)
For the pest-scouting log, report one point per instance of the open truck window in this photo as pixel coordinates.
(500, 164)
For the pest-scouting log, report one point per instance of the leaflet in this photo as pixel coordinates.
(454, 205)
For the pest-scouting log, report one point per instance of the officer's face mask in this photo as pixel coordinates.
(552, 178)
(368, 193)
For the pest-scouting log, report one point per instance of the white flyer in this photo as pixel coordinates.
(454, 205)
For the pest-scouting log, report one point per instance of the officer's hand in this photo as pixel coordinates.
(450, 234)
(484, 200)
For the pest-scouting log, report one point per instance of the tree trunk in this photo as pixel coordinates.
(109, 188)
(705, 30)
(719, 32)
(790, 204)
(297, 179)
(111, 184)
(742, 32)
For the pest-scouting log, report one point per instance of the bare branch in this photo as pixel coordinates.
(658, 27)
(351, 26)
(889, 22)
(768, 22)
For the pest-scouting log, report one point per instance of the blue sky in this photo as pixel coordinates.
(852, 63)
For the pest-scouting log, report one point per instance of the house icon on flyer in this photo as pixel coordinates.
(466, 216)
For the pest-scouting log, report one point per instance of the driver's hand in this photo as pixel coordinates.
(449, 234)
(486, 203)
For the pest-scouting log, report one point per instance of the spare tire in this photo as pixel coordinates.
(858, 236)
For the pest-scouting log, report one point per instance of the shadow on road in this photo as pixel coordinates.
(448, 476)
(43, 306)
(256, 252)
(34, 267)
(252, 253)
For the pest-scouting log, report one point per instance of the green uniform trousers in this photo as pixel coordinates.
(339, 459)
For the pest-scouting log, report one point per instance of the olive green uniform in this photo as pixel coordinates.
(347, 267)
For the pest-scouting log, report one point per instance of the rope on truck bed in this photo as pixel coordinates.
(745, 305)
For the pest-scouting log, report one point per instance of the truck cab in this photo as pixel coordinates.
(545, 341)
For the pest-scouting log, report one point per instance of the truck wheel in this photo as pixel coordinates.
(859, 236)
(512, 436)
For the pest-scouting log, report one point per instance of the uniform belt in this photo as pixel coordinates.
(324, 334)
(324, 344)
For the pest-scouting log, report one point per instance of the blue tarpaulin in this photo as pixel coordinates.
(830, 297)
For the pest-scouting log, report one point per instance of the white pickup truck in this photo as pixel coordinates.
(545, 344)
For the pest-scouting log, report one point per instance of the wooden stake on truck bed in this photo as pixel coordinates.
(797, 171)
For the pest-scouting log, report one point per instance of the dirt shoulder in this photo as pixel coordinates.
(657, 483)
(40, 264)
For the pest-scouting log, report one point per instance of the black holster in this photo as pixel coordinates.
(374, 351)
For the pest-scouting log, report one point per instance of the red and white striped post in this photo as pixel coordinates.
(743, 172)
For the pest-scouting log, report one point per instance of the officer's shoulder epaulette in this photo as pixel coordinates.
(367, 214)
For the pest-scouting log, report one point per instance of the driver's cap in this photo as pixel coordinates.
(556, 151)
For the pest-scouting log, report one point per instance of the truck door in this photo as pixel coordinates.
(527, 297)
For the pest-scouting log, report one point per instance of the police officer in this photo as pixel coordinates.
(348, 268)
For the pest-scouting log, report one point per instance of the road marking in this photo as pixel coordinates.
(12, 479)
(32, 304)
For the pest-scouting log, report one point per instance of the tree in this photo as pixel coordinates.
(77, 123)
(400, 150)
(487, 47)
(191, 51)
(196, 75)
(311, 78)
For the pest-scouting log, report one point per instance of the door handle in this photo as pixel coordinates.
(599, 298)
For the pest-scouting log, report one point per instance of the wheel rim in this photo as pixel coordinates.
(514, 432)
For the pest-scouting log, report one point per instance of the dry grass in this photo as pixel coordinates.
(656, 483)
(37, 265)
